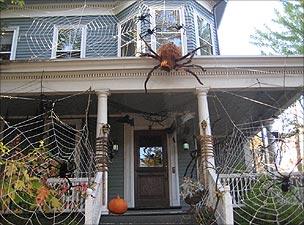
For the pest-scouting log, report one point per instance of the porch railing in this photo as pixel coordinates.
(241, 184)
(73, 200)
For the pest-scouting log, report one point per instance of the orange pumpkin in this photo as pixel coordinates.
(118, 205)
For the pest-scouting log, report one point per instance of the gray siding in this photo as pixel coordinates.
(116, 168)
(36, 34)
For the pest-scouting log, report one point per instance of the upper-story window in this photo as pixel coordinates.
(8, 43)
(128, 38)
(204, 36)
(166, 24)
(69, 42)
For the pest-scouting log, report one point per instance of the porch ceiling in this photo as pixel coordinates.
(225, 106)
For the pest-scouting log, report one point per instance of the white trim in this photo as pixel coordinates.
(66, 9)
(129, 165)
(83, 39)
(13, 50)
(173, 170)
(196, 15)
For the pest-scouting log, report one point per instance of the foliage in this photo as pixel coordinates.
(266, 204)
(289, 39)
(21, 186)
(4, 4)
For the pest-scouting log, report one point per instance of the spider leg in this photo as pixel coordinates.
(149, 48)
(190, 66)
(193, 74)
(191, 54)
(149, 75)
(149, 55)
(294, 167)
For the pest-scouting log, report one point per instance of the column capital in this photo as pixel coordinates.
(202, 91)
(103, 92)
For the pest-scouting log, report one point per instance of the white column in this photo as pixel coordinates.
(102, 176)
(96, 203)
(102, 110)
(203, 110)
(203, 115)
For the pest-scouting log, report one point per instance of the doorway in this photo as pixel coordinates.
(151, 169)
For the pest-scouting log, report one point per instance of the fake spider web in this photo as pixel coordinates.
(46, 166)
(250, 161)
(98, 35)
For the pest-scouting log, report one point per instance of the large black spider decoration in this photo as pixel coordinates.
(142, 18)
(170, 58)
(284, 180)
(60, 168)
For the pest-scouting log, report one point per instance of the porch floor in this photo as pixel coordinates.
(150, 217)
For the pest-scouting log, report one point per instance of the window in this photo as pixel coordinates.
(69, 42)
(128, 38)
(8, 43)
(165, 23)
(204, 37)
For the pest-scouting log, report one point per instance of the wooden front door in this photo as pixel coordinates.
(151, 169)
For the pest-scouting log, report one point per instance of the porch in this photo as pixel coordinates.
(239, 90)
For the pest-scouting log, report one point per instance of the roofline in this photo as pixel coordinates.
(136, 63)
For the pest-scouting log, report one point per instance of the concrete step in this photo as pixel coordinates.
(149, 217)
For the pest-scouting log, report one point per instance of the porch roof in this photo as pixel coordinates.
(128, 74)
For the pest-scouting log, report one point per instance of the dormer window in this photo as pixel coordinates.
(204, 36)
(8, 43)
(167, 24)
(128, 38)
(69, 42)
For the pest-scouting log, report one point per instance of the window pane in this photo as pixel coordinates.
(163, 38)
(5, 56)
(6, 40)
(151, 156)
(68, 54)
(167, 19)
(204, 29)
(128, 38)
(69, 39)
(207, 48)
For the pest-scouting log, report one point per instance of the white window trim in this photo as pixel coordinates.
(14, 41)
(196, 14)
(182, 19)
(83, 39)
(138, 41)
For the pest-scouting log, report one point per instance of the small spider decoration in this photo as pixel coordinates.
(149, 32)
(142, 18)
(170, 58)
(284, 180)
(177, 27)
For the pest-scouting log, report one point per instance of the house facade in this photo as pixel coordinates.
(59, 49)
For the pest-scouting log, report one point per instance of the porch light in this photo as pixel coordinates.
(186, 146)
(115, 147)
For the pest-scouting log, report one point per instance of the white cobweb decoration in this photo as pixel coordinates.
(104, 35)
(46, 167)
(249, 161)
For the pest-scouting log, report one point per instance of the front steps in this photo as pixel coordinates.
(149, 217)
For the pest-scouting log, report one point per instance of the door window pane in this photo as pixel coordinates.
(151, 156)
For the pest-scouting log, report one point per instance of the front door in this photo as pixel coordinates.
(151, 169)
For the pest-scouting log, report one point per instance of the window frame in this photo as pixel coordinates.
(55, 39)
(138, 41)
(13, 50)
(197, 37)
(182, 20)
